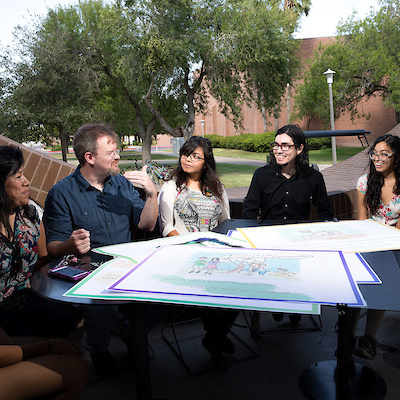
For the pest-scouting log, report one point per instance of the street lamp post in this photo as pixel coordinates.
(202, 127)
(329, 78)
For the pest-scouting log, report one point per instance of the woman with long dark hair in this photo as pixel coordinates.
(378, 194)
(194, 200)
(29, 369)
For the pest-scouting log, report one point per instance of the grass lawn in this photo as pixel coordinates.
(234, 175)
(324, 156)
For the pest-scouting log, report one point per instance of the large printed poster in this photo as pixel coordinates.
(254, 274)
(346, 236)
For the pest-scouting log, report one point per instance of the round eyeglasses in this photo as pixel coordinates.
(380, 156)
(113, 155)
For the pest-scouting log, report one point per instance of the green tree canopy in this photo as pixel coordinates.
(48, 90)
(150, 62)
(366, 58)
(238, 51)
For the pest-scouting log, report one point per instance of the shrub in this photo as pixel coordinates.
(319, 143)
(259, 143)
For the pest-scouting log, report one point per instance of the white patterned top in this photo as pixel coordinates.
(186, 210)
(388, 214)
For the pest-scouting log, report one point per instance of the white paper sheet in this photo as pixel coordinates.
(346, 236)
(297, 276)
(96, 284)
(134, 250)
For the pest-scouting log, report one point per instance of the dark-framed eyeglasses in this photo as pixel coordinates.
(284, 146)
(192, 157)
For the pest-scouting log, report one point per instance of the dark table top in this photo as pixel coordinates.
(54, 288)
(379, 297)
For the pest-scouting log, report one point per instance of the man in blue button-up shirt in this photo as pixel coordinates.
(93, 207)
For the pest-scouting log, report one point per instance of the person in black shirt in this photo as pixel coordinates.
(285, 188)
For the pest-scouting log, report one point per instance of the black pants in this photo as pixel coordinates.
(217, 323)
(37, 317)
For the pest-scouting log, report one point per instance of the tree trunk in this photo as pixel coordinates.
(146, 141)
(288, 103)
(180, 131)
(276, 118)
(264, 117)
(397, 116)
(64, 137)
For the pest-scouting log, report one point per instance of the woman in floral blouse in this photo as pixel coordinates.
(22, 244)
(30, 367)
(379, 199)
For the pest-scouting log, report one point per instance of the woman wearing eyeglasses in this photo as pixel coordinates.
(194, 200)
(30, 367)
(379, 199)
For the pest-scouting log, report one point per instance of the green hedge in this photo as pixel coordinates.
(259, 143)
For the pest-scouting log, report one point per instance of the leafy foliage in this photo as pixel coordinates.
(366, 59)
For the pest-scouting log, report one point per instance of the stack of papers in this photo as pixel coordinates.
(284, 268)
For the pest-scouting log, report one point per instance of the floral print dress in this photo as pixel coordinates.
(18, 257)
(388, 214)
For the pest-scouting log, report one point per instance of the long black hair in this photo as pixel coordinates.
(375, 179)
(298, 137)
(209, 182)
(11, 160)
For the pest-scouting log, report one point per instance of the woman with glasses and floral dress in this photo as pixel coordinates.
(379, 199)
(194, 200)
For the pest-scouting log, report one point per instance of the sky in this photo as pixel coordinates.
(321, 21)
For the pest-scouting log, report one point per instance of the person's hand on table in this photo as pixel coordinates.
(79, 241)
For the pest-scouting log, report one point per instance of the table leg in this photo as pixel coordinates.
(342, 379)
(140, 351)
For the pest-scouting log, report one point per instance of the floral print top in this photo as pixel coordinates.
(386, 214)
(19, 256)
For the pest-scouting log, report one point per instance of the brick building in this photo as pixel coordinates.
(382, 118)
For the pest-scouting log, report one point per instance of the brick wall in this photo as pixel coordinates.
(381, 120)
(42, 170)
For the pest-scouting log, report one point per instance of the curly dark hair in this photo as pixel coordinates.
(375, 179)
(209, 182)
(296, 133)
(11, 160)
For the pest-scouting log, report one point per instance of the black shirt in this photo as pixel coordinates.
(281, 198)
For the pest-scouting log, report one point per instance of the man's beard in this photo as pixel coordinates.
(114, 171)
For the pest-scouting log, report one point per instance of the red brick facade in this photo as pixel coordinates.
(382, 118)
(42, 170)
